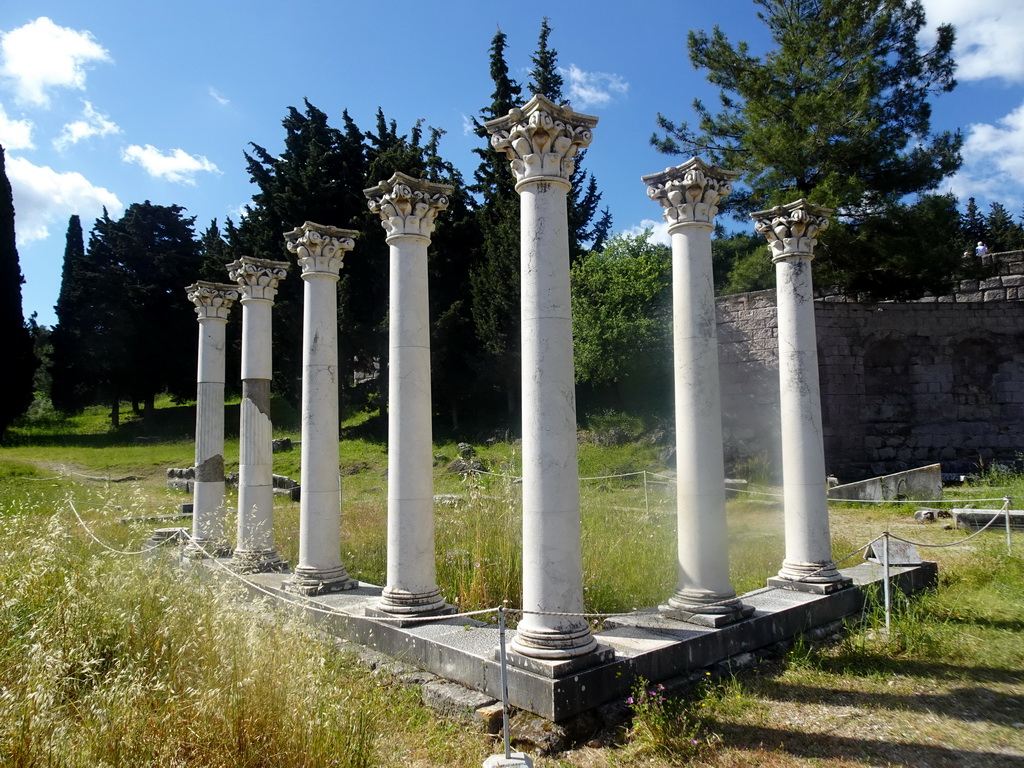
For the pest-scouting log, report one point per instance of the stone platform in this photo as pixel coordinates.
(642, 644)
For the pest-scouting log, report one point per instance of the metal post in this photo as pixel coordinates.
(647, 503)
(504, 681)
(1006, 512)
(885, 584)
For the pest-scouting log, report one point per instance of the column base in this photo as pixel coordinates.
(198, 549)
(257, 561)
(555, 669)
(400, 602)
(310, 582)
(553, 644)
(706, 616)
(812, 587)
(410, 619)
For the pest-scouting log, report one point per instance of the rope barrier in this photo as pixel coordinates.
(995, 517)
(107, 546)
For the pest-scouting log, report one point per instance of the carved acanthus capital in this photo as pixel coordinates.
(212, 300)
(792, 230)
(319, 247)
(541, 140)
(257, 278)
(408, 206)
(690, 193)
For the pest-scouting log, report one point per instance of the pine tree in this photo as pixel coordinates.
(837, 112)
(19, 358)
(973, 227)
(1004, 234)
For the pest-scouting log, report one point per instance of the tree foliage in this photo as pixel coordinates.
(622, 309)
(495, 274)
(19, 357)
(320, 176)
(837, 112)
(124, 329)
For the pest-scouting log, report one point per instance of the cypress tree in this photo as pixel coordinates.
(19, 358)
(69, 389)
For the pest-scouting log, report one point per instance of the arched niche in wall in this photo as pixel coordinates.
(888, 391)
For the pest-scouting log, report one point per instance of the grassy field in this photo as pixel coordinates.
(117, 660)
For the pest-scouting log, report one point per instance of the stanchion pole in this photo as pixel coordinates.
(1006, 513)
(647, 503)
(504, 681)
(885, 584)
(509, 759)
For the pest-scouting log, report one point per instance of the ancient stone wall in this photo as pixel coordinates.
(902, 384)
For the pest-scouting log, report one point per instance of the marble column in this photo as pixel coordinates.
(320, 251)
(254, 549)
(541, 141)
(213, 302)
(408, 208)
(690, 194)
(792, 232)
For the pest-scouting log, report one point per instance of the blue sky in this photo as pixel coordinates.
(111, 103)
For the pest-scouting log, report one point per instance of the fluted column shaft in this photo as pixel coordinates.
(213, 303)
(254, 548)
(408, 208)
(541, 141)
(320, 252)
(690, 194)
(792, 233)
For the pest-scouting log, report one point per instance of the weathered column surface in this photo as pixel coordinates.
(541, 141)
(792, 232)
(320, 251)
(213, 302)
(408, 208)
(690, 194)
(254, 550)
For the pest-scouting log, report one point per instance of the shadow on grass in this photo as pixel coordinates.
(878, 752)
(973, 703)
(864, 663)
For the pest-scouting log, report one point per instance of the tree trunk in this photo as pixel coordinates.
(115, 413)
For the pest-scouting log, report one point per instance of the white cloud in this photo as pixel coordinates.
(593, 89)
(220, 99)
(988, 36)
(175, 165)
(93, 123)
(43, 196)
(467, 126)
(659, 230)
(993, 159)
(40, 56)
(15, 134)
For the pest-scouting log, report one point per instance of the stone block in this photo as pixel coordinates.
(995, 295)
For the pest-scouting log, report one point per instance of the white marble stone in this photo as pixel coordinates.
(690, 194)
(254, 549)
(792, 232)
(320, 251)
(408, 208)
(213, 302)
(541, 141)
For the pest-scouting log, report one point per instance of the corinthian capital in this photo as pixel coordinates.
(792, 230)
(541, 140)
(212, 300)
(408, 206)
(258, 278)
(690, 193)
(320, 248)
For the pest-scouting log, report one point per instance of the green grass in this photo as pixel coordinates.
(107, 662)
